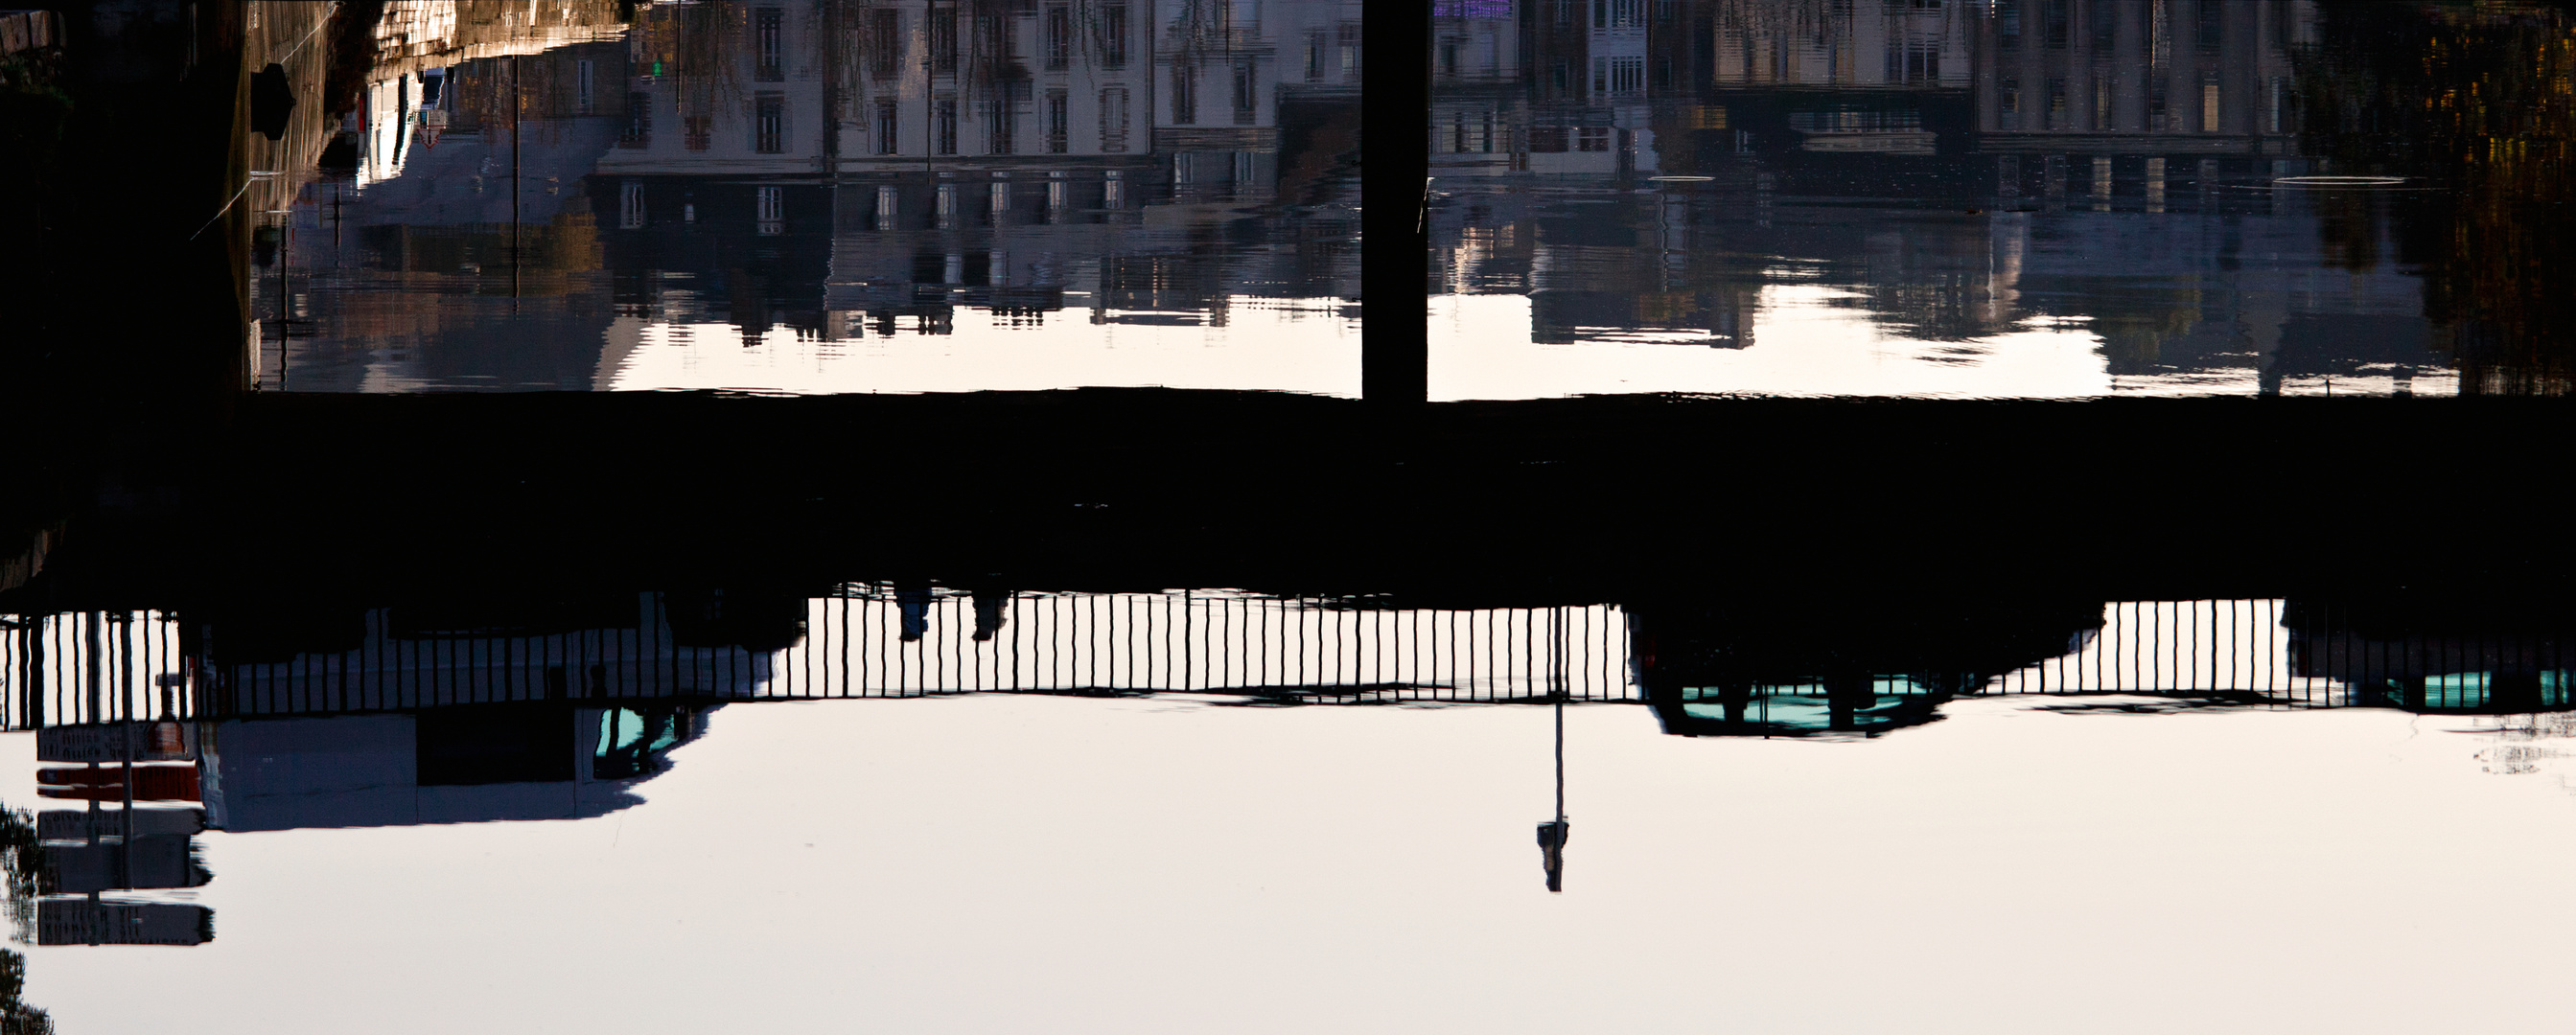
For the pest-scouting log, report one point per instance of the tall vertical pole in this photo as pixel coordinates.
(1396, 80)
(514, 176)
(1551, 834)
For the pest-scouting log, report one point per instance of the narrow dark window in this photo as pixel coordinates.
(1113, 36)
(944, 126)
(1059, 37)
(1055, 122)
(1113, 120)
(2212, 29)
(639, 121)
(768, 26)
(943, 40)
(1246, 92)
(769, 123)
(2008, 24)
(886, 126)
(885, 43)
(1185, 103)
(1004, 125)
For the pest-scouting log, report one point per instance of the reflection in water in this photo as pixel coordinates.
(525, 710)
(825, 195)
(2029, 198)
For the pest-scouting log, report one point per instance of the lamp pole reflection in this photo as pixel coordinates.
(1551, 834)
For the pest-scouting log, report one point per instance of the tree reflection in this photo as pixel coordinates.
(2476, 101)
(25, 865)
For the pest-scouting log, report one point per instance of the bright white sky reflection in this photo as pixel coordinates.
(1000, 864)
(1804, 344)
(1299, 345)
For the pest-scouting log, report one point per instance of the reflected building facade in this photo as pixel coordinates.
(834, 169)
(1645, 172)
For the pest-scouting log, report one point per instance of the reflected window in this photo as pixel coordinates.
(639, 121)
(1113, 36)
(943, 126)
(768, 28)
(886, 126)
(2008, 103)
(2056, 24)
(2008, 24)
(1114, 194)
(2209, 102)
(1627, 74)
(1350, 35)
(1618, 14)
(1314, 56)
(885, 43)
(1246, 90)
(1005, 42)
(1113, 120)
(699, 132)
(1055, 122)
(1592, 138)
(769, 123)
(1185, 102)
(943, 40)
(2212, 27)
(584, 101)
(1004, 123)
(1059, 37)
(770, 210)
(630, 204)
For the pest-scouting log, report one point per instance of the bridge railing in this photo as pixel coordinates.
(864, 640)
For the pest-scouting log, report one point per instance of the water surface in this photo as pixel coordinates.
(2024, 199)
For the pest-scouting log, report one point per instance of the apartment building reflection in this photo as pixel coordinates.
(841, 168)
(1644, 171)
